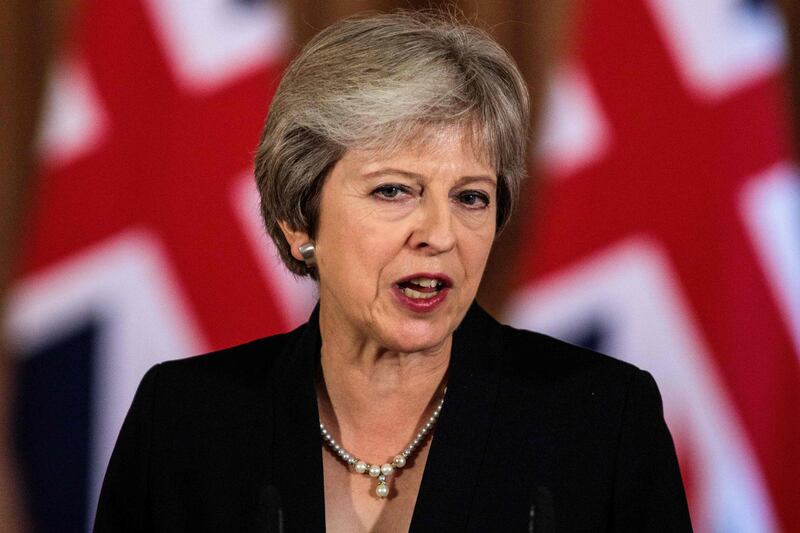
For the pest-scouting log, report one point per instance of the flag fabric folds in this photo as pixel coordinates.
(145, 242)
(666, 233)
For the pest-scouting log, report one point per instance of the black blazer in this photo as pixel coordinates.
(205, 435)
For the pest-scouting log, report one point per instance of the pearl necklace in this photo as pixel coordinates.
(382, 472)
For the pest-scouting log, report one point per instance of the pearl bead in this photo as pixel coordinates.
(374, 471)
(346, 457)
(382, 490)
(386, 469)
(360, 467)
(399, 461)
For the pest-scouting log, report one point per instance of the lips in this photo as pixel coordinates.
(423, 291)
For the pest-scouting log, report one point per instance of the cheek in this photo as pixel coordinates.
(478, 221)
(475, 253)
(360, 248)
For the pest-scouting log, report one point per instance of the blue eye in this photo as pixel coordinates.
(474, 199)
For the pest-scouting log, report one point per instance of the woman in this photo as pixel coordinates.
(390, 160)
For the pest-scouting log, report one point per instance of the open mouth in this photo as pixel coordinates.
(423, 287)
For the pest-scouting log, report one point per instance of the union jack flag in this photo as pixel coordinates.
(667, 233)
(144, 242)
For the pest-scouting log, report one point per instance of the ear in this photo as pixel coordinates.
(295, 238)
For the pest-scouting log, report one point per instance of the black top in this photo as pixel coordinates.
(525, 414)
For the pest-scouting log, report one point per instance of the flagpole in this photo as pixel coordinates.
(791, 12)
(28, 35)
(535, 37)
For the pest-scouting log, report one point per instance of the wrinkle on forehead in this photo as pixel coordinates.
(425, 137)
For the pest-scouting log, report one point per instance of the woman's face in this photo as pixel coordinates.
(403, 241)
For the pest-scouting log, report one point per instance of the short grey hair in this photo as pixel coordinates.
(373, 82)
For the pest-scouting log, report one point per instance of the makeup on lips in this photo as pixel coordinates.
(422, 292)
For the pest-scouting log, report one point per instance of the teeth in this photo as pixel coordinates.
(425, 282)
(411, 293)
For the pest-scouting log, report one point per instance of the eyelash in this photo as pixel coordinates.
(381, 191)
(481, 196)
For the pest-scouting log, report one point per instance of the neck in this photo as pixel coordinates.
(376, 398)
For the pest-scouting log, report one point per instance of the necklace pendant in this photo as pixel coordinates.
(382, 490)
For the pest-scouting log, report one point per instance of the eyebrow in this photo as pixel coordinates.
(413, 175)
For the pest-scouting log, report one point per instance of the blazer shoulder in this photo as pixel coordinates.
(532, 354)
(246, 364)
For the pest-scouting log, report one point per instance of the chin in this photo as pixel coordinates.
(408, 338)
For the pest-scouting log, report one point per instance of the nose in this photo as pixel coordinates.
(433, 227)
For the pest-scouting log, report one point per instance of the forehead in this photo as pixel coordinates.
(453, 146)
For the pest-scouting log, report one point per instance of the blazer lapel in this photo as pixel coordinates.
(460, 437)
(296, 456)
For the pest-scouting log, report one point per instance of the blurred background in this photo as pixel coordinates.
(660, 222)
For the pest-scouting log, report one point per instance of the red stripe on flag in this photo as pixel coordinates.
(676, 167)
(168, 166)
